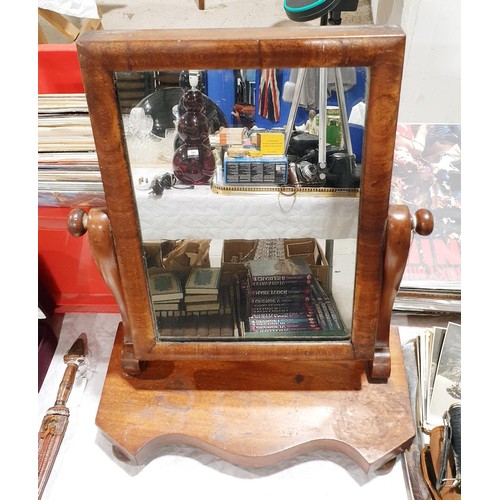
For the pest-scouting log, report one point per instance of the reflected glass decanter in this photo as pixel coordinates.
(193, 161)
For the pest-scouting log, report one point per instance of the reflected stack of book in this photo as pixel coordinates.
(284, 296)
(166, 290)
(204, 311)
(202, 290)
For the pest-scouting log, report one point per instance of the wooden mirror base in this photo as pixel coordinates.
(249, 419)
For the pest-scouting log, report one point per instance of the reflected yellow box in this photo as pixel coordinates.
(271, 143)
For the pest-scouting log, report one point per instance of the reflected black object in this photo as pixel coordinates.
(159, 106)
(310, 174)
(342, 171)
(166, 181)
(301, 143)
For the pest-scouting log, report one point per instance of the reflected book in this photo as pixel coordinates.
(279, 272)
(165, 285)
(203, 280)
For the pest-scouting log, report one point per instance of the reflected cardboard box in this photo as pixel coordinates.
(236, 253)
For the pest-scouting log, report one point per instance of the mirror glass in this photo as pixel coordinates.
(247, 186)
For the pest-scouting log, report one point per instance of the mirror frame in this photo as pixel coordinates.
(378, 48)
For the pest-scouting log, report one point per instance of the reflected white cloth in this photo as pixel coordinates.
(85, 9)
(358, 114)
(254, 216)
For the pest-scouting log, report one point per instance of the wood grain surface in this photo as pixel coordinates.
(378, 48)
(256, 414)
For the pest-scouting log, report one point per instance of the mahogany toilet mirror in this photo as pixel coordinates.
(260, 386)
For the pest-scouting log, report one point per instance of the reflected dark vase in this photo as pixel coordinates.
(193, 161)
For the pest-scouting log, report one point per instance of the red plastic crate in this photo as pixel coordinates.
(66, 268)
(59, 70)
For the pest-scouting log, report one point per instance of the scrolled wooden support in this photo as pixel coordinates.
(96, 223)
(399, 229)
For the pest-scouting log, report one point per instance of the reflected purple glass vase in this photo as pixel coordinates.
(193, 161)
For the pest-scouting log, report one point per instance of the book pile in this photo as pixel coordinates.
(53, 104)
(68, 169)
(203, 308)
(202, 290)
(284, 296)
(62, 130)
(166, 290)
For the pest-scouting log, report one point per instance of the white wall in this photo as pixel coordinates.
(431, 90)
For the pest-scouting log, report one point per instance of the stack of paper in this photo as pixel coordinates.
(68, 169)
(438, 359)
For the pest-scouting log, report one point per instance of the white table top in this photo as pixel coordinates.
(87, 469)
